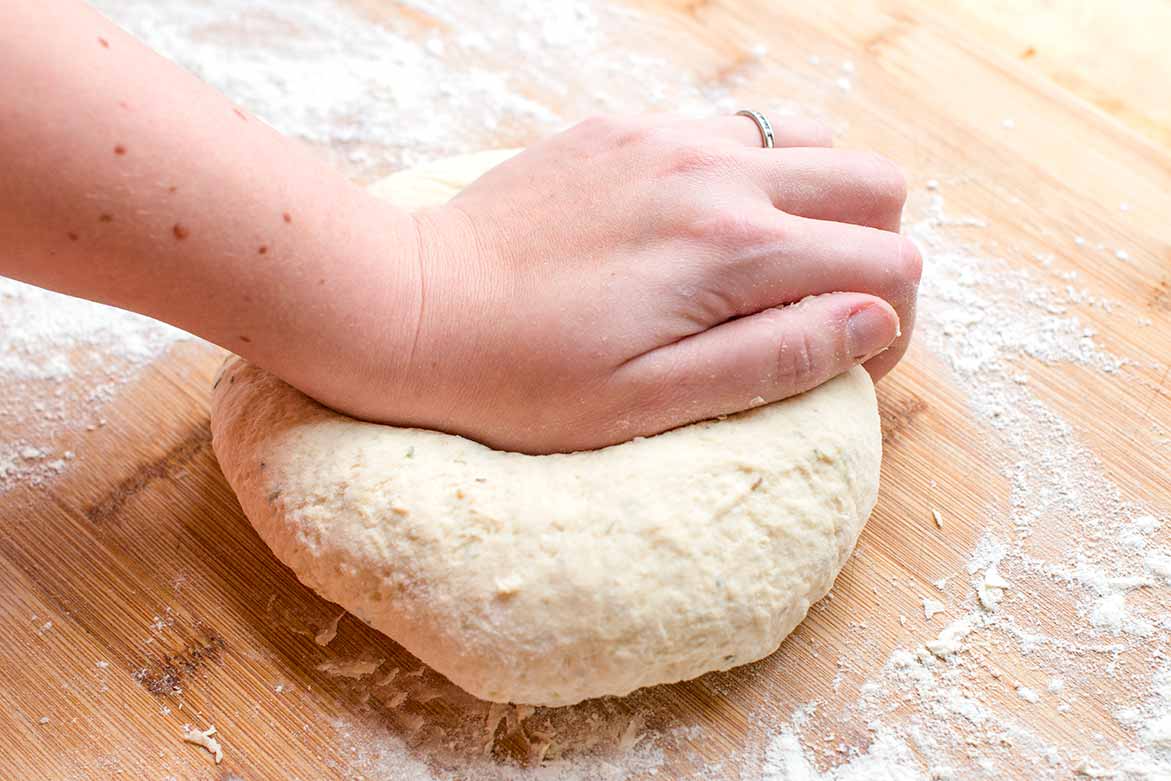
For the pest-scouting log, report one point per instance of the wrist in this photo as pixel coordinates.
(453, 308)
(336, 317)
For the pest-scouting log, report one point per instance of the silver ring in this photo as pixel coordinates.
(762, 124)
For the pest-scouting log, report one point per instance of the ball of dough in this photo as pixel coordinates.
(547, 580)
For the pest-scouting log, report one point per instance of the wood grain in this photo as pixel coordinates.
(141, 559)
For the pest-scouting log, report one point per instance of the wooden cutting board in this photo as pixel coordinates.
(135, 598)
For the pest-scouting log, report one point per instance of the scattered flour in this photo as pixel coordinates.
(991, 588)
(204, 738)
(387, 89)
(888, 759)
(62, 360)
(1090, 570)
(1067, 535)
(950, 640)
(931, 607)
(1027, 694)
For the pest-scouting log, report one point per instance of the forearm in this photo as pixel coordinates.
(619, 279)
(128, 181)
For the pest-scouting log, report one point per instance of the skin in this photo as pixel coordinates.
(627, 276)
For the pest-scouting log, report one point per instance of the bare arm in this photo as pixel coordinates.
(626, 276)
(128, 181)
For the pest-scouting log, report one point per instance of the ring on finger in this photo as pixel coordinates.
(762, 124)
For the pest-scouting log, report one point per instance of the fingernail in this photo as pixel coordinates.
(868, 331)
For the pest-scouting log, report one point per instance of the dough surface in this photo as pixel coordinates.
(547, 580)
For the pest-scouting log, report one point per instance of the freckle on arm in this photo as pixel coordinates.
(105, 218)
(72, 236)
(287, 217)
(245, 339)
(119, 150)
(180, 232)
(104, 43)
(263, 249)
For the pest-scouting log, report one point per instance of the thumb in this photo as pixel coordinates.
(761, 358)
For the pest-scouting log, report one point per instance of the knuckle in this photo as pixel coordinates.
(885, 180)
(602, 125)
(686, 159)
(632, 134)
(909, 263)
(820, 133)
(900, 268)
(653, 379)
(813, 132)
(796, 364)
(727, 227)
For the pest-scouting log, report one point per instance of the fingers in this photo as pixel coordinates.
(804, 175)
(768, 259)
(857, 187)
(836, 256)
(761, 358)
(848, 257)
(881, 364)
(819, 256)
(773, 226)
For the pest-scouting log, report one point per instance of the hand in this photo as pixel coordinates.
(632, 275)
(616, 280)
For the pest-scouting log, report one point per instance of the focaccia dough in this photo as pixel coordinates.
(547, 580)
